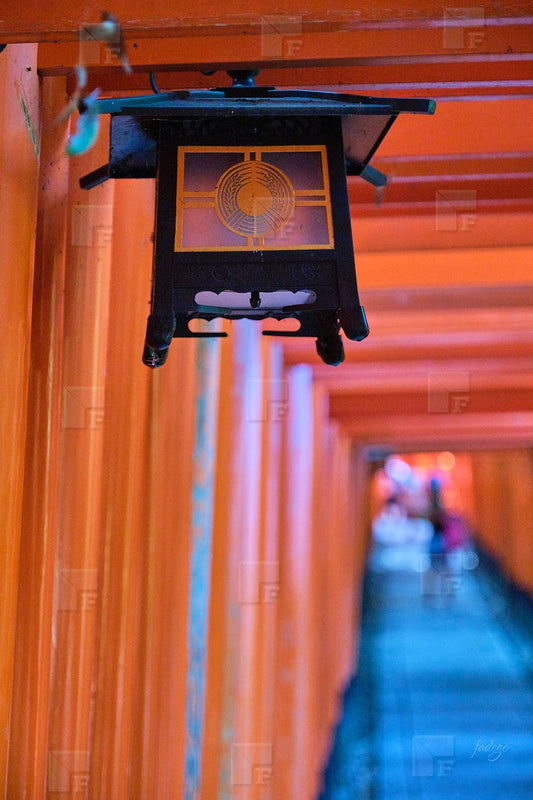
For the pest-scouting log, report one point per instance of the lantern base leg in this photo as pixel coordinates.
(353, 323)
(154, 358)
(330, 349)
(159, 333)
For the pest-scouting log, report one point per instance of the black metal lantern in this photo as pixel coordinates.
(252, 216)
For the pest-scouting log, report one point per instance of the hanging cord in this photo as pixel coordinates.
(153, 84)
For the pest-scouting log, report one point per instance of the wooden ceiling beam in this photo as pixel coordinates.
(479, 394)
(462, 28)
(457, 166)
(453, 79)
(479, 127)
(385, 355)
(296, 42)
(379, 229)
(413, 332)
(454, 431)
(387, 377)
(461, 266)
(469, 298)
(488, 192)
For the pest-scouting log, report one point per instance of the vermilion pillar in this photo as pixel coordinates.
(290, 773)
(31, 703)
(503, 500)
(232, 737)
(201, 539)
(80, 476)
(122, 568)
(19, 164)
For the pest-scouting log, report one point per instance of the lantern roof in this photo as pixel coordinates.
(261, 100)
(365, 120)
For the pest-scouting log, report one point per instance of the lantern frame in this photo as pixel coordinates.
(257, 151)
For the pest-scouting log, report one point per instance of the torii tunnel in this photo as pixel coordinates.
(184, 550)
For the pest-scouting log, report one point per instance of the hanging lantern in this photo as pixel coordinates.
(252, 214)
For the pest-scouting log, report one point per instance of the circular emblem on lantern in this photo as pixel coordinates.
(254, 198)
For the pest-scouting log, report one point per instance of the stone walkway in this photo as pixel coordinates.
(442, 706)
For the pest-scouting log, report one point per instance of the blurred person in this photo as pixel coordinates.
(456, 541)
(398, 539)
(437, 544)
(449, 541)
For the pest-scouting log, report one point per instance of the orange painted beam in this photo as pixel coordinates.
(450, 165)
(472, 395)
(385, 381)
(480, 127)
(389, 378)
(471, 267)
(19, 165)
(434, 321)
(402, 329)
(451, 196)
(306, 44)
(502, 298)
(451, 79)
(444, 431)
(58, 20)
(415, 226)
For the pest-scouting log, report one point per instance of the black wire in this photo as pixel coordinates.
(153, 83)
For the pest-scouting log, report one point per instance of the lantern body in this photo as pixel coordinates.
(253, 221)
(252, 215)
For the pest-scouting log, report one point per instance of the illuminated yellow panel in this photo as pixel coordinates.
(253, 198)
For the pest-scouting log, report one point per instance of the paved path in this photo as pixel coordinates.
(442, 707)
